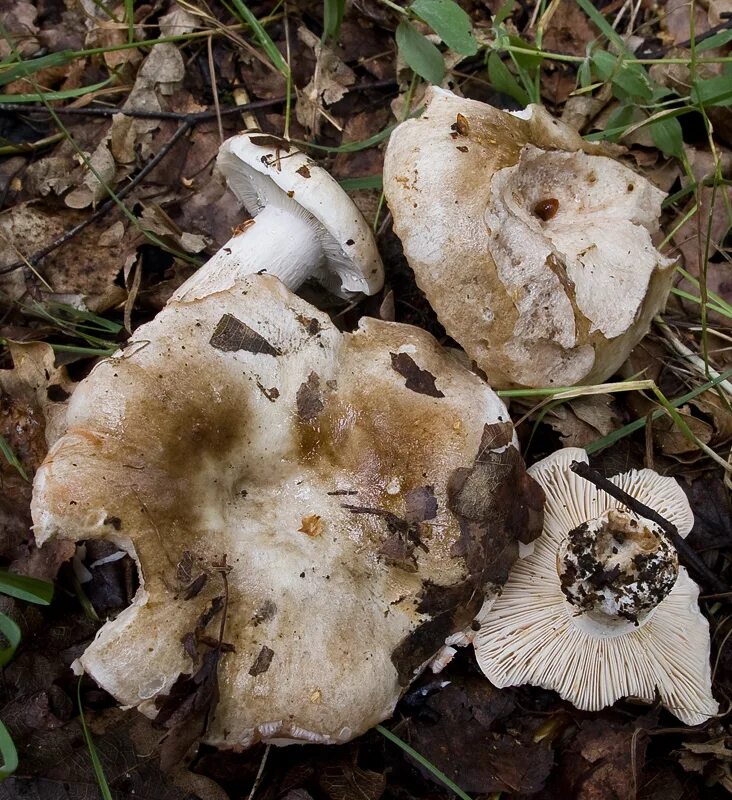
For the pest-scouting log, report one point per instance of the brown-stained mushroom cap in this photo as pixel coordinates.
(365, 489)
(533, 247)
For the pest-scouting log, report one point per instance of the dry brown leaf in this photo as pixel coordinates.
(18, 20)
(312, 525)
(100, 173)
(569, 29)
(82, 267)
(36, 382)
(328, 85)
(177, 21)
(584, 419)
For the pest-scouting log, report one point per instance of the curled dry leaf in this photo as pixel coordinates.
(33, 398)
(328, 85)
(583, 419)
(85, 266)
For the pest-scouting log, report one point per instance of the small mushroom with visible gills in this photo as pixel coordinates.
(304, 225)
(365, 489)
(602, 609)
(532, 245)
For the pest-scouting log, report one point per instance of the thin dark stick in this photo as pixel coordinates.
(192, 118)
(105, 207)
(687, 556)
(725, 15)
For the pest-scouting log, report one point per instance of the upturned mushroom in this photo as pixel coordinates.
(304, 226)
(364, 490)
(533, 246)
(602, 610)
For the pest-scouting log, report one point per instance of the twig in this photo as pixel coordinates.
(260, 773)
(726, 16)
(180, 116)
(214, 87)
(105, 207)
(687, 555)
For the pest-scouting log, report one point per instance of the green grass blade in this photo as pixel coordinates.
(66, 94)
(93, 755)
(260, 34)
(332, 17)
(366, 182)
(638, 424)
(11, 632)
(8, 753)
(12, 459)
(694, 299)
(428, 765)
(21, 69)
(605, 27)
(84, 351)
(32, 590)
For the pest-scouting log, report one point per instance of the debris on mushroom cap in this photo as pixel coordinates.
(365, 489)
(305, 225)
(617, 567)
(533, 247)
(594, 653)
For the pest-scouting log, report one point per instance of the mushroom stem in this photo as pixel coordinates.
(283, 242)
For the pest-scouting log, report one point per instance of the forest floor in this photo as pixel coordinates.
(104, 216)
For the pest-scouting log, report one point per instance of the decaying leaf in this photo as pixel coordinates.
(42, 388)
(583, 419)
(177, 21)
(712, 758)
(328, 85)
(87, 265)
(465, 745)
(312, 525)
(18, 21)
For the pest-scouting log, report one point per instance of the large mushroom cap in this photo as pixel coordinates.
(364, 489)
(533, 248)
(264, 170)
(601, 610)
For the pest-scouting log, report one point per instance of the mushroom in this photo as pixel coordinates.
(304, 226)
(602, 610)
(364, 488)
(532, 246)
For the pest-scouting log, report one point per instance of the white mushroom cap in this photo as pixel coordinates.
(317, 230)
(532, 246)
(532, 634)
(365, 488)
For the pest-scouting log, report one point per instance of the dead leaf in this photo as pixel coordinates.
(583, 419)
(100, 170)
(39, 386)
(18, 21)
(82, 266)
(569, 30)
(343, 779)
(329, 83)
(599, 762)
(461, 743)
(312, 525)
(185, 710)
(712, 758)
(177, 21)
